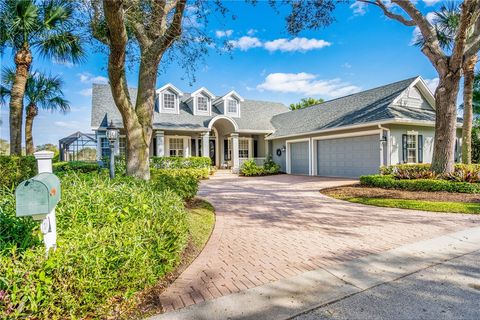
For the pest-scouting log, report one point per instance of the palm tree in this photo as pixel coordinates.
(40, 91)
(446, 23)
(47, 26)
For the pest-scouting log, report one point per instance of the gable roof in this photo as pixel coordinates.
(256, 115)
(365, 107)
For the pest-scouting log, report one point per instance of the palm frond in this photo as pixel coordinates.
(63, 46)
(56, 12)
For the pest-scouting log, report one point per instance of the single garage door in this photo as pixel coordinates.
(348, 157)
(299, 163)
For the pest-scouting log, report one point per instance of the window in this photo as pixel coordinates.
(202, 103)
(232, 106)
(122, 146)
(176, 147)
(105, 145)
(168, 101)
(412, 148)
(243, 148)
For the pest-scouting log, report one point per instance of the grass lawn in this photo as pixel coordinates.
(201, 220)
(438, 206)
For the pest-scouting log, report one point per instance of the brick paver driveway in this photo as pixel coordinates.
(269, 228)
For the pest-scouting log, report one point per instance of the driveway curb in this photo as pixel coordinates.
(288, 297)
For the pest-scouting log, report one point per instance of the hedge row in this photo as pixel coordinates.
(183, 182)
(431, 185)
(462, 172)
(180, 163)
(14, 170)
(249, 168)
(80, 166)
(115, 238)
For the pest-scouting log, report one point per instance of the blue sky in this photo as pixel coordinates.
(361, 50)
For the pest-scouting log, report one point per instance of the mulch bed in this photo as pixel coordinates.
(358, 191)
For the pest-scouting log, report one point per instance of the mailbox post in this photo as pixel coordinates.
(38, 196)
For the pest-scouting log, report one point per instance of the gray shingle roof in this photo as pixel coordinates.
(255, 115)
(363, 107)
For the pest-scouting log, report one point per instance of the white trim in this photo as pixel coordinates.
(428, 95)
(367, 124)
(228, 95)
(288, 155)
(172, 87)
(204, 90)
(211, 123)
(176, 102)
(186, 145)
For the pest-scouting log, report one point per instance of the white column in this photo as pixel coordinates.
(205, 144)
(235, 159)
(160, 135)
(49, 224)
(186, 147)
(267, 151)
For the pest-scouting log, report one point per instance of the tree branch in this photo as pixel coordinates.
(173, 31)
(386, 12)
(473, 43)
(468, 10)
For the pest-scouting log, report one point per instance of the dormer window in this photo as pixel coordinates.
(232, 106)
(169, 99)
(202, 103)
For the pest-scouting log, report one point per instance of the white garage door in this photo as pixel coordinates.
(299, 155)
(348, 157)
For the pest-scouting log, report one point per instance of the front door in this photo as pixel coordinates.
(212, 152)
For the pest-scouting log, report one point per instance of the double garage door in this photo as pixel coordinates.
(340, 157)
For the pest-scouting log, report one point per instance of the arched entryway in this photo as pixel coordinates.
(223, 137)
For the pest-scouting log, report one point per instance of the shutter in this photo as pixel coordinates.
(225, 150)
(420, 149)
(456, 152)
(156, 107)
(404, 148)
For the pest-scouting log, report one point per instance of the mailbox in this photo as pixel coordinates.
(37, 196)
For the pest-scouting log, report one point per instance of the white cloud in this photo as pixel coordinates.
(359, 8)
(86, 92)
(295, 44)
(251, 32)
(222, 33)
(68, 124)
(346, 65)
(67, 64)
(306, 84)
(86, 77)
(284, 45)
(432, 84)
(245, 43)
(430, 3)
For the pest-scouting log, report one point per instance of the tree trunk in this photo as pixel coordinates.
(23, 59)
(32, 112)
(445, 125)
(468, 78)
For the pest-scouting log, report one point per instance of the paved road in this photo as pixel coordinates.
(272, 228)
(446, 291)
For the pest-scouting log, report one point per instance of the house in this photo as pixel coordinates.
(344, 137)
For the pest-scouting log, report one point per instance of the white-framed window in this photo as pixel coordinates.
(122, 145)
(243, 148)
(232, 106)
(168, 100)
(202, 103)
(175, 146)
(412, 148)
(105, 145)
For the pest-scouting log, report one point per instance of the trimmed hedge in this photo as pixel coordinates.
(249, 168)
(462, 172)
(115, 238)
(80, 166)
(430, 185)
(183, 182)
(180, 163)
(14, 170)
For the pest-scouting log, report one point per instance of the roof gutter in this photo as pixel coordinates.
(367, 124)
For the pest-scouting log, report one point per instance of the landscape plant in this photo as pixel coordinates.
(14, 169)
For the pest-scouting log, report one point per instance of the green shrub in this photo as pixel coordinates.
(249, 168)
(462, 173)
(431, 185)
(20, 233)
(183, 182)
(180, 162)
(14, 170)
(79, 166)
(115, 237)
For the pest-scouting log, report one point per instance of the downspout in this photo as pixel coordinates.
(387, 143)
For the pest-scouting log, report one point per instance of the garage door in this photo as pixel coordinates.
(299, 163)
(348, 157)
